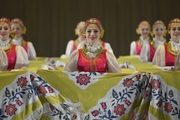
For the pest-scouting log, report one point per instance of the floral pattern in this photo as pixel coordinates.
(83, 79)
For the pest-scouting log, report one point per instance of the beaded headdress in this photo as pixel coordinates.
(159, 22)
(18, 21)
(94, 21)
(173, 22)
(5, 20)
(143, 23)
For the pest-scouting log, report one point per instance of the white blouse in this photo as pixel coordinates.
(145, 51)
(31, 50)
(133, 45)
(21, 58)
(159, 56)
(112, 64)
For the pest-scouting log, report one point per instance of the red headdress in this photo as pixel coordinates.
(97, 22)
(19, 21)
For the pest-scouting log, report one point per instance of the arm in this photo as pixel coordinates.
(72, 63)
(112, 63)
(159, 56)
(145, 53)
(108, 47)
(21, 58)
(3, 60)
(31, 51)
(133, 48)
(69, 48)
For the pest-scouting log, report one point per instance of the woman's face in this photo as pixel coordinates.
(17, 29)
(158, 30)
(144, 31)
(174, 32)
(92, 33)
(4, 31)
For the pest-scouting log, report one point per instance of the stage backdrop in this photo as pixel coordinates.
(51, 23)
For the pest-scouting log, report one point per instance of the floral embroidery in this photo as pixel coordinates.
(50, 89)
(32, 77)
(42, 90)
(156, 84)
(103, 104)
(19, 102)
(128, 103)
(95, 113)
(10, 109)
(168, 107)
(128, 82)
(83, 79)
(22, 81)
(119, 109)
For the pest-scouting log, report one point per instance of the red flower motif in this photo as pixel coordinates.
(83, 79)
(50, 89)
(42, 90)
(32, 77)
(10, 109)
(119, 109)
(74, 117)
(104, 106)
(19, 102)
(156, 84)
(159, 103)
(138, 76)
(95, 113)
(128, 82)
(128, 103)
(168, 107)
(22, 81)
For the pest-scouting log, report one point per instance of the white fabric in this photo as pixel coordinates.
(21, 59)
(107, 46)
(133, 45)
(112, 64)
(145, 51)
(31, 50)
(159, 56)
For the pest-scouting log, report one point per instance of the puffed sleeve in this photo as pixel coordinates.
(133, 48)
(31, 52)
(108, 47)
(3, 60)
(177, 62)
(72, 63)
(145, 53)
(159, 56)
(112, 63)
(21, 58)
(69, 48)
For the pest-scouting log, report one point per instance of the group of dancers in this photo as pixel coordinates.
(89, 52)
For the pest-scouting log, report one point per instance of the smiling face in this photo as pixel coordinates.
(158, 31)
(144, 31)
(4, 31)
(174, 32)
(17, 29)
(92, 33)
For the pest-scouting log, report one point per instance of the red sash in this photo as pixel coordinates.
(138, 48)
(25, 45)
(11, 55)
(98, 64)
(152, 51)
(169, 58)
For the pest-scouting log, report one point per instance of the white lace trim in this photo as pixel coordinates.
(92, 48)
(144, 41)
(5, 43)
(158, 42)
(175, 45)
(17, 41)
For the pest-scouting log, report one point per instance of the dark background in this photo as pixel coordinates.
(51, 23)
